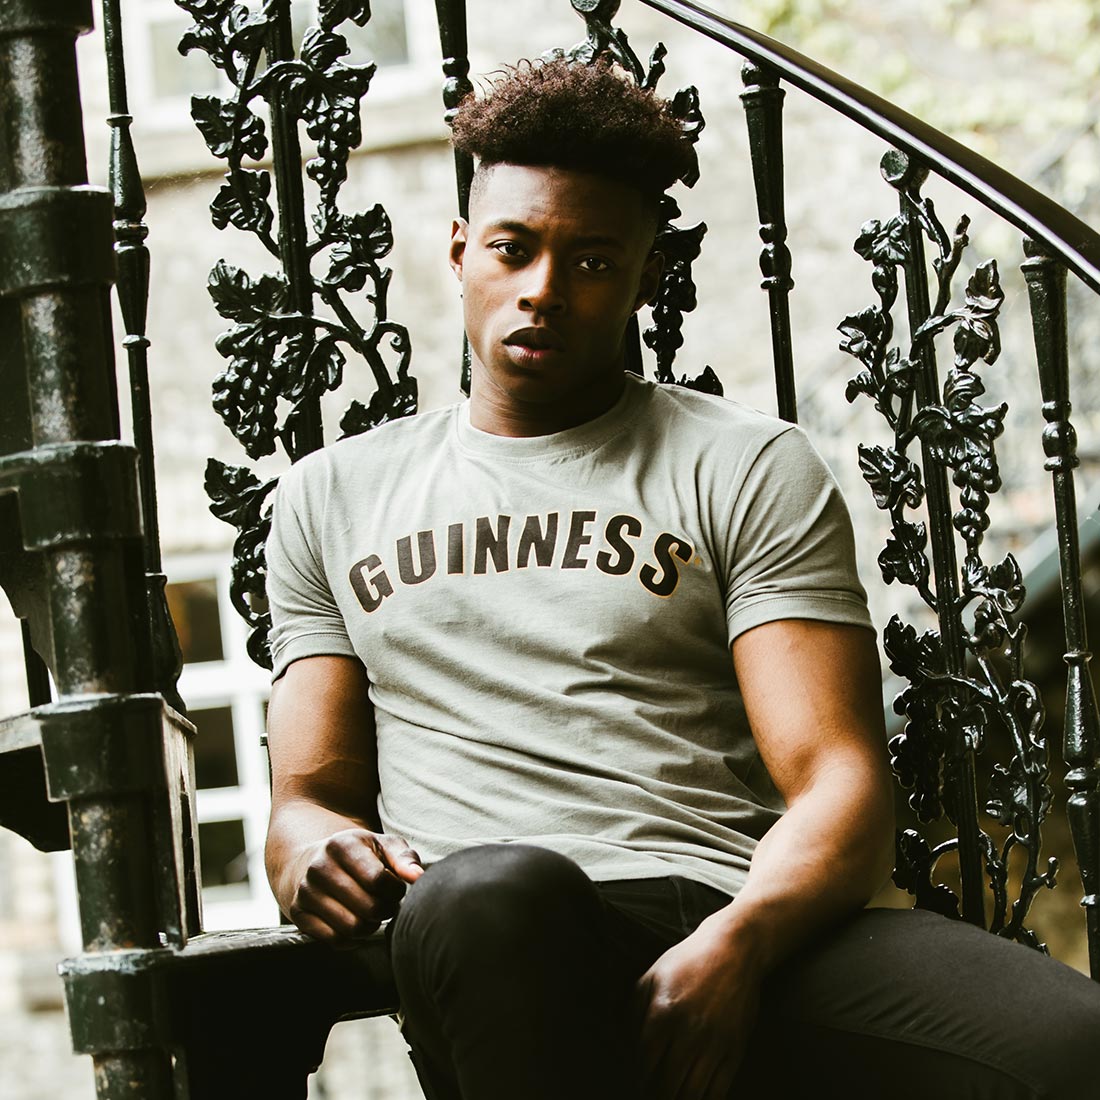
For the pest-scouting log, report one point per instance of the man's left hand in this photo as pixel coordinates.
(698, 1003)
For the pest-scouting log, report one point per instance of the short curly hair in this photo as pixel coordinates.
(582, 117)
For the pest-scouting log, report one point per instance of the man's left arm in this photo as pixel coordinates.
(811, 692)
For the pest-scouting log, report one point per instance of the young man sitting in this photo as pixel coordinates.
(503, 636)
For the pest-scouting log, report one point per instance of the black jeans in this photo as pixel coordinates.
(515, 972)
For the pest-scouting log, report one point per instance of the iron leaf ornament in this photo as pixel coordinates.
(331, 13)
(239, 498)
(296, 331)
(966, 682)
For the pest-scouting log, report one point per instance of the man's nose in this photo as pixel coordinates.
(542, 291)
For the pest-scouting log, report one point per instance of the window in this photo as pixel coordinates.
(226, 695)
(165, 80)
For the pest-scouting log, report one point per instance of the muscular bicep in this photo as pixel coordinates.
(812, 693)
(321, 738)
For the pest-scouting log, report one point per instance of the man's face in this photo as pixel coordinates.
(552, 265)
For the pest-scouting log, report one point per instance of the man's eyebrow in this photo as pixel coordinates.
(594, 240)
(506, 226)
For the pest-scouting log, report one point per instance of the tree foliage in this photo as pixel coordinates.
(1004, 76)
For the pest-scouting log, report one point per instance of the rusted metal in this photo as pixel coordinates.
(77, 494)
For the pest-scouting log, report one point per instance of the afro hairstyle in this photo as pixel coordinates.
(581, 117)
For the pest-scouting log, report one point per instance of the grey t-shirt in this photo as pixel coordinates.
(546, 622)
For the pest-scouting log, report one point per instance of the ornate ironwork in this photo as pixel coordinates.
(966, 679)
(1046, 281)
(281, 347)
(132, 287)
(763, 100)
(680, 245)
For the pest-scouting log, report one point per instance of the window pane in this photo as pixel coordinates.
(383, 39)
(194, 609)
(224, 861)
(215, 755)
(173, 74)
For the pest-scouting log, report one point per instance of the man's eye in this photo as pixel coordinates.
(508, 248)
(594, 263)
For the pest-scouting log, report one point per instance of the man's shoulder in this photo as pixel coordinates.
(395, 440)
(706, 418)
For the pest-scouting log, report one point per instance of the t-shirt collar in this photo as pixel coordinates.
(578, 440)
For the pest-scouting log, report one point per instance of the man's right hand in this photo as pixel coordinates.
(346, 884)
(333, 870)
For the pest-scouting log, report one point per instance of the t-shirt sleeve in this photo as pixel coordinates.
(305, 618)
(792, 551)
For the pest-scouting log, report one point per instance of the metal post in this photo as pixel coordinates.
(59, 264)
(763, 100)
(1046, 284)
(451, 15)
(132, 259)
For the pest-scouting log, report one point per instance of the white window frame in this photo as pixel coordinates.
(391, 82)
(237, 682)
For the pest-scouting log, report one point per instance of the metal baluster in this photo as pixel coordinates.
(451, 15)
(1046, 283)
(132, 284)
(763, 100)
(456, 68)
(306, 433)
(907, 176)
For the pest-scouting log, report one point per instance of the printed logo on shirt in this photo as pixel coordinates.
(504, 542)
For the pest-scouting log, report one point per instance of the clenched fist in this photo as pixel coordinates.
(347, 884)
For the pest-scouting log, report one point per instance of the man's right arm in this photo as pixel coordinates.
(333, 871)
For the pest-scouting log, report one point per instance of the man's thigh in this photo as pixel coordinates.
(909, 1004)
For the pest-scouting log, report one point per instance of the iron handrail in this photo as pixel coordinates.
(1035, 214)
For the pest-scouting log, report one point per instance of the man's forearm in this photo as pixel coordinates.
(822, 860)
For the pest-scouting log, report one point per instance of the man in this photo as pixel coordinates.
(503, 637)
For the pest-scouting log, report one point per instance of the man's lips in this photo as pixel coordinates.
(535, 339)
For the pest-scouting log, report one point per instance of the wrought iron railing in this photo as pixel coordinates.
(967, 683)
(108, 748)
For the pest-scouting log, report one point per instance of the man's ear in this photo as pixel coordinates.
(650, 281)
(459, 230)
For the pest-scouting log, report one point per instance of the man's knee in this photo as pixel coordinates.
(493, 895)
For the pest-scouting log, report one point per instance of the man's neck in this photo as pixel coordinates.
(497, 412)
